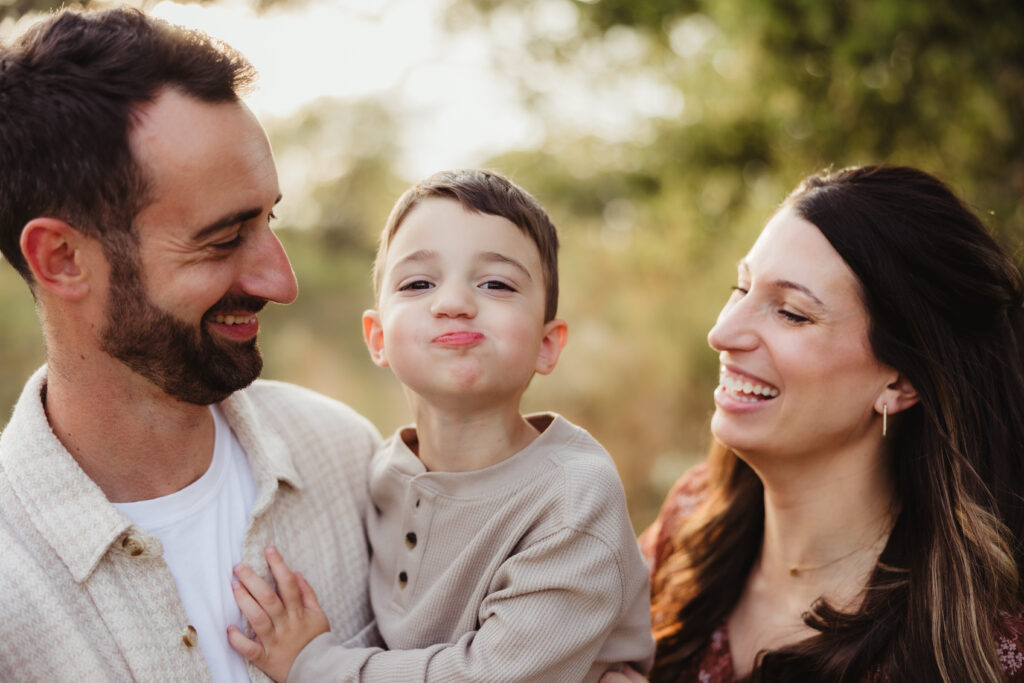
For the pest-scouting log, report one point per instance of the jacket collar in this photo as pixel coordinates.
(71, 512)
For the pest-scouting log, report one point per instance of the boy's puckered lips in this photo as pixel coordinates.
(465, 338)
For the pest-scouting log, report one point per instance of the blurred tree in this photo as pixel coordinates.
(792, 85)
(770, 90)
(672, 130)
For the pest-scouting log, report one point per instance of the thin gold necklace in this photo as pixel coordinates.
(796, 570)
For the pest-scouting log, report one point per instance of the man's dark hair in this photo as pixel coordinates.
(70, 88)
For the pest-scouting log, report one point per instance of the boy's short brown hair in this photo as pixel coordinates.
(484, 192)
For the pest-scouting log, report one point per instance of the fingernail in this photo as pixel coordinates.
(235, 584)
(238, 567)
(271, 550)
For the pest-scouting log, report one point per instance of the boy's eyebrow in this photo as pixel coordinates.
(418, 255)
(496, 257)
(786, 284)
(486, 256)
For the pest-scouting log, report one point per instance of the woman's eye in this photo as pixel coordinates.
(415, 284)
(793, 317)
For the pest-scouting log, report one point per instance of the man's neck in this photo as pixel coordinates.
(133, 440)
(460, 440)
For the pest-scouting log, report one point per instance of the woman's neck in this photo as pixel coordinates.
(826, 522)
(452, 440)
(828, 518)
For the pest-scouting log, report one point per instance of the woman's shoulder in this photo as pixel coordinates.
(1010, 643)
(685, 496)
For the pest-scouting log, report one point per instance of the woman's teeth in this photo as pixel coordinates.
(745, 390)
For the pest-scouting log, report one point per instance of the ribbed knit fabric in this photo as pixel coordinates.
(86, 596)
(527, 570)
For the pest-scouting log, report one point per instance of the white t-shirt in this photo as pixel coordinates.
(201, 528)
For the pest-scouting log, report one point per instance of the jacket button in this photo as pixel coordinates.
(190, 637)
(133, 545)
(403, 579)
(410, 540)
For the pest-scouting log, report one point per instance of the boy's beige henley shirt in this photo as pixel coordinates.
(527, 570)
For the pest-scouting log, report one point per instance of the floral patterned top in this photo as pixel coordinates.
(713, 664)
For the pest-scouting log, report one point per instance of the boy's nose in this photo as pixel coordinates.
(453, 300)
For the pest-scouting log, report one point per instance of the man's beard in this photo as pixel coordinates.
(185, 361)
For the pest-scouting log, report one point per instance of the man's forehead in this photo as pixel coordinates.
(202, 161)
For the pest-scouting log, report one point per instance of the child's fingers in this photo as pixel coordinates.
(287, 588)
(260, 590)
(309, 600)
(257, 617)
(246, 647)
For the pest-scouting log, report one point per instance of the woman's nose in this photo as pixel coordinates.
(735, 329)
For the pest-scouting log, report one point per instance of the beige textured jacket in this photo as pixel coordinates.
(527, 570)
(86, 596)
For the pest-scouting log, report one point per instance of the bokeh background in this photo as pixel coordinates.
(660, 135)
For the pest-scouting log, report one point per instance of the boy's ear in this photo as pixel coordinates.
(556, 332)
(898, 395)
(58, 257)
(373, 335)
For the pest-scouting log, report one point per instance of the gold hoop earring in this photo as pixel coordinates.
(885, 419)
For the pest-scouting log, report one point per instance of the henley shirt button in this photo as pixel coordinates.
(417, 502)
(133, 545)
(410, 540)
(190, 637)
(403, 579)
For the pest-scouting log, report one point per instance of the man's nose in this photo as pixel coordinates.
(268, 272)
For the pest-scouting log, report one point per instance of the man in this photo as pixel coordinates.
(137, 467)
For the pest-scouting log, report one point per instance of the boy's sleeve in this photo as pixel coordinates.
(554, 611)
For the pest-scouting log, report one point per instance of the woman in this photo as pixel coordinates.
(860, 516)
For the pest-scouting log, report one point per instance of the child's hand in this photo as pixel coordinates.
(283, 625)
(627, 675)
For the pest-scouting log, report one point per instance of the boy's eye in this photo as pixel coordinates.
(415, 284)
(497, 284)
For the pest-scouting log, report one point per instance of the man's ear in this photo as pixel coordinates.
(56, 255)
(373, 335)
(897, 396)
(556, 332)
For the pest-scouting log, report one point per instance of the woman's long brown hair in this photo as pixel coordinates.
(945, 304)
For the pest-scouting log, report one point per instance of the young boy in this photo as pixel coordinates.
(502, 550)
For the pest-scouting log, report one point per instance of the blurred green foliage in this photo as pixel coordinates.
(652, 223)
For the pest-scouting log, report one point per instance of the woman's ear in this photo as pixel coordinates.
(556, 332)
(373, 335)
(897, 396)
(57, 257)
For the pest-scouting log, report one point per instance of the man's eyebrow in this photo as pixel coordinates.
(230, 219)
(496, 257)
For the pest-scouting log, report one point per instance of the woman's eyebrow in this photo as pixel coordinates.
(785, 284)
